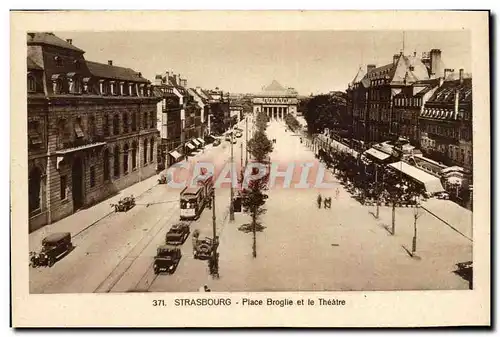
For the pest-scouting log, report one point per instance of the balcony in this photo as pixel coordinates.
(79, 143)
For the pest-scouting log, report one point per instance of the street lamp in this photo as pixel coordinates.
(231, 208)
(416, 215)
(214, 268)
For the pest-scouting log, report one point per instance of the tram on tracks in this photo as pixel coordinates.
(193, 199)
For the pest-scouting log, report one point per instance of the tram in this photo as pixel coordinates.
(193, 199)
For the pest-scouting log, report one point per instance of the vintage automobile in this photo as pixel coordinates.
(163, 179)
(124, 204)
(178, 234)
(442, 195)
(54, 247)
(203, 248)
(167, 259)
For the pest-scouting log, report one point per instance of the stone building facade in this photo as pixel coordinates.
(91, 129)
(276, 101)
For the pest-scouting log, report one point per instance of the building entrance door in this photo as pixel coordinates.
(77, 183)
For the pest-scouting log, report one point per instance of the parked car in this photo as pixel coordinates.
(54, 247)
(178, 234)
(167, 259)
(442, 195)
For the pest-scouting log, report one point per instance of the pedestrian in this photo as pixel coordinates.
(337, 192)
(319, 200)
(325, 203)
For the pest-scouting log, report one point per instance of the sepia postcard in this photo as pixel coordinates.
(250, 169)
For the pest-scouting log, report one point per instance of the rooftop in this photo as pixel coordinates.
(113, 72)
(50, 39)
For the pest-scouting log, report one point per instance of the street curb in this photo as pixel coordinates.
(446, 223)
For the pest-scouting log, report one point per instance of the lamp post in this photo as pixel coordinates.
(231, 208)
(416, 215)
(215, 243)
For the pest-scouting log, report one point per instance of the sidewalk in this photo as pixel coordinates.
(85, 218)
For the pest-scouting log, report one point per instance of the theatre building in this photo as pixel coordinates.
(276, 101)
(91, 129)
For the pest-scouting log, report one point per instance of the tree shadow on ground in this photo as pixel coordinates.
(248, 228)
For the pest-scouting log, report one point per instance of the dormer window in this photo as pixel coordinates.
(58, 84)
(102, 87)
(122, 92)
(31, 83)
(142, 89)
(77, 64)
(58, 61)
(86, 81)
(412, 68)
(112, 87)
(130, 89)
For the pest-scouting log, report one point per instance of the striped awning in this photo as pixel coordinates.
(201, 141)
(191, 146)
(195, 142)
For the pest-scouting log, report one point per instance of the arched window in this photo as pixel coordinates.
(145, 151)
(125, 159)
(116, 162)
(134, 155)
(145, 121)
(106, 165)
(125, 122)
(116, 125)
(151, 148)
(35, 181)
(134, 122)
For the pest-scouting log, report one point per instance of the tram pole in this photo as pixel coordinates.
(215, 243)
(231, 208)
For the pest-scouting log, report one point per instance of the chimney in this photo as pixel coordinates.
(139, 74)
(447, 71)
(461, 76)
(158, 80)
(435, 67)
(175, 78)
(70, 41)
(167, 75)
(110, 62)
(395, 59)
(370, 67)
(457, 100)
(415, 53)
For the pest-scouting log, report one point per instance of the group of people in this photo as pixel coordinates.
(327, 201)
(274, 140)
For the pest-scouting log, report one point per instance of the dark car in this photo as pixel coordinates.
(178, 234)
(54, 246)
(167, 259)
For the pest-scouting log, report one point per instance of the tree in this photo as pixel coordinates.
(327, 111)
(292, 122)
(253, 201)
(260, 146)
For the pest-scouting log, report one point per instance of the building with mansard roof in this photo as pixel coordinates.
(371, 94)
(91, 129)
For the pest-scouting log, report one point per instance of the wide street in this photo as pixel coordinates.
(301, 248)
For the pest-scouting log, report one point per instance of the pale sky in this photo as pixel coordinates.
(243, 62)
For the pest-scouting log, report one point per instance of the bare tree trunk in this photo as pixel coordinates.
(254, 232)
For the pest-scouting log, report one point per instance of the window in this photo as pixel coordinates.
(116, 162)
(35, 182)
(77, 89)
(63, 187)
(78, 128)
(58, 61)
(125, 159)
(106, 165)
(145, 121)
(145, 151)
(153, 119)
(151, 148)
(31, 83)
(105, 126)
(116, 125)
(125, 122)
(134, 155)
(134, 121)
(91, 126)
(92, 176)
(63, 132)
(35, 139)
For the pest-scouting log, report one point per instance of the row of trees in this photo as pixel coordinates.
(253, 196)
(326, 111)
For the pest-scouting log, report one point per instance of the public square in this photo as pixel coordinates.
(302, 248)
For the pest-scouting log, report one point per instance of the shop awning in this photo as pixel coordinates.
(191, 146)
(175, 154)
(195, 142)
(432, 184)
(377, 154)
(201, 141)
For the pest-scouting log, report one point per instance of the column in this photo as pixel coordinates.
(281, 113)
